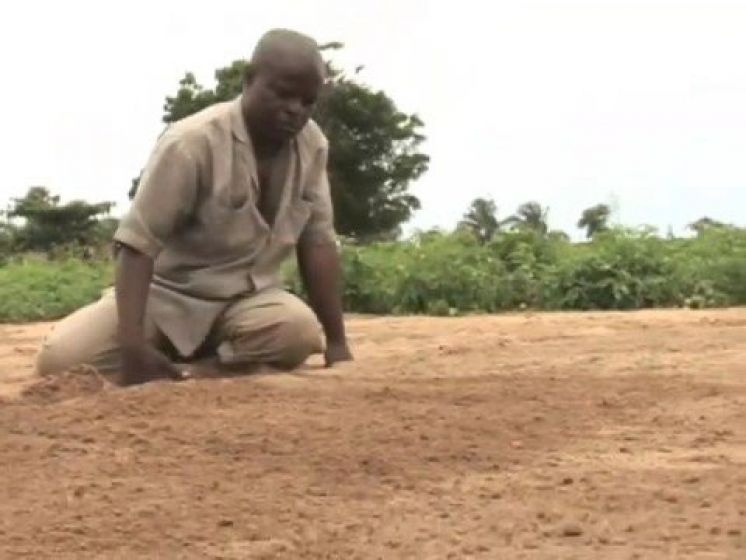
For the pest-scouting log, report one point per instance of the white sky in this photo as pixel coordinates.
(641, 105)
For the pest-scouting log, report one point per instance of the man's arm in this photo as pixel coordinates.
(164, 199)
(140, 361)
(134, 271)
(318, 260)
(320, 270)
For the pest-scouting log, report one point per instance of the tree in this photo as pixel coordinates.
(705, 223)
(47, 223)
(531, 216)
(595, 219)
(374, 148)
(481, 219)
(6, 237)
(103, 233)
(372, 160)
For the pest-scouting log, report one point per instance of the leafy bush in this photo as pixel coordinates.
(622, 269)
(711, 268)
(35, 289)
(445, 274)
(441, 273)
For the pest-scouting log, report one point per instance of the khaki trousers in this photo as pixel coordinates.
(271, 327)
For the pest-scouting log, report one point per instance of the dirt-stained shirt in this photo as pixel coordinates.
(196, 214)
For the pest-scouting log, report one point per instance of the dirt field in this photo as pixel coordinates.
(596, 436)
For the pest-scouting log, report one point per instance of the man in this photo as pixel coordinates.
(227, 194)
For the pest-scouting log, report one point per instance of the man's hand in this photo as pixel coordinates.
(320, 270)
(337, 352)
(140, 361)
(143, 363)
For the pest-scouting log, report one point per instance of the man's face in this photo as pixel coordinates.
(283, 96)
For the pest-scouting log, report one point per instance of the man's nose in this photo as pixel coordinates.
(294, 107)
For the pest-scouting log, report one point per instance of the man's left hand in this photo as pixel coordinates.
(337, 352)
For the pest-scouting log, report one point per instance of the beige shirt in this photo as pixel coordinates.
(196, 214)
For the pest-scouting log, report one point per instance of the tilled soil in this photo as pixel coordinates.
(618, 435)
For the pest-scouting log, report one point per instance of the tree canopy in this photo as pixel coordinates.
(481, 219)
(531, 216)
(46, 223)
(706, 223)
(595, 219)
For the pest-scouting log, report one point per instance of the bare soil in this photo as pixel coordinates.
(523, 436)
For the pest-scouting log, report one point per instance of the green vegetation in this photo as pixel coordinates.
(441, 273)
(35, 289)
(49, 225)
(595, 220)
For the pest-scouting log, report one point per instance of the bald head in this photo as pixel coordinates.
(287, 48)
(283, 82)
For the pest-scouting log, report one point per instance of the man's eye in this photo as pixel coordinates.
(281, 90)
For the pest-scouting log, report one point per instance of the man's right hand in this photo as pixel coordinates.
(143, 363)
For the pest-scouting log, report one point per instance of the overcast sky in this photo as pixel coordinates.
(641, 105)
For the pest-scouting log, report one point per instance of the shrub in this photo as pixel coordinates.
(36, 289)
(441, 273)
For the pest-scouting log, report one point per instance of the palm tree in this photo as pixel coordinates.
(705, 223)
(481, 219)
(595, 219)
(530, 216)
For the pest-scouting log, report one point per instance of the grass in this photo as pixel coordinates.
(38, 290)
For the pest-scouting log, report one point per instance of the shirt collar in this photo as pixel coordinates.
(238, 124)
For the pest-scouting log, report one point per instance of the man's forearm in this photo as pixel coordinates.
(134, 271)
(320, 271)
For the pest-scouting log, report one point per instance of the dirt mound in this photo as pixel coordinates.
(77, 382)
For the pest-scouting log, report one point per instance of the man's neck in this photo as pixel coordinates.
(265, 148)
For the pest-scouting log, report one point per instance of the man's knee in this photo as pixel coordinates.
(54, 357)
(86, 337)
(285, 339)
(299, 336)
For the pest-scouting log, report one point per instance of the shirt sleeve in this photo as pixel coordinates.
(320, 226)
(164, 200)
